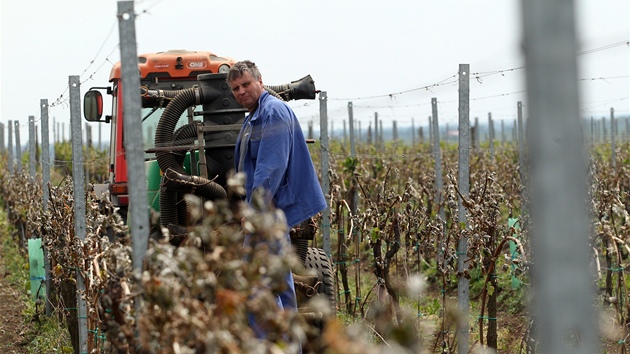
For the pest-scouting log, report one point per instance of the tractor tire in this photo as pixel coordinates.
(317, 260)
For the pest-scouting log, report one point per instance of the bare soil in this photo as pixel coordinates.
(13, 330)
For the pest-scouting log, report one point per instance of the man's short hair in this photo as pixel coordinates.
(238, 69)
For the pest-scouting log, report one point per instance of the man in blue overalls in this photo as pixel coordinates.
(272, 152)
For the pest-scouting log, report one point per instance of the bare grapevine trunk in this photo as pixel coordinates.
(492, 300)
(608, 271)
(382, 264)
(388, 258)
(69, 295)
(343, 257)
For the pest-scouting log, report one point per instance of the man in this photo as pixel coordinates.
(272, 152)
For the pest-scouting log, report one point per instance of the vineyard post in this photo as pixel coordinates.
(502, 132)
(359, 132)
(514, 132)
(37, 157)
(395, 131)
(521, 141)
(413, 133)
(430, 131)
(376, 130)
(477, 132)
(604, 130)
(88, 145)
(381, 141)
(45, 161)
(464, 187)
(79, 201)
(599, 129)
(100, 138)
(353, 151)
(491, 135)
(353, 155)
(310, 129)
(138, 213)
(18, 147)
(31, 147)
(10, 157)
(613, 132)
(323, 127)
(63, 132)
(2, 148)
(561, 279)
(438, 178)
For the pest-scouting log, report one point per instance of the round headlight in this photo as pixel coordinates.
(224, 68)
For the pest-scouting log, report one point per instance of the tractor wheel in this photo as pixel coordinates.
(317, 260)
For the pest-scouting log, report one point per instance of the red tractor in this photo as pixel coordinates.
(190, 121)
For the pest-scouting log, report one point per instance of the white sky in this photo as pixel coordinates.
(354, 49)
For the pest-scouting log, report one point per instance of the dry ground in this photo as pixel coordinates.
(13, 330)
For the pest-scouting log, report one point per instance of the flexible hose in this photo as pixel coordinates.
(173, 208)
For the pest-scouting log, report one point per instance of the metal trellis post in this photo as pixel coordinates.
(2, 147)
(437, 154)
(521, 141)
(323, 120)
(353, 154)
(613, 133)
(31, 147)
(138, 205)
(79, 200)
(563, 296)
(18, 147)
(491, 135)
(464, 186)
(45, 161)
(376, 130)
(10, 155)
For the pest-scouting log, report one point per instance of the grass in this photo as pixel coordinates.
(44, 334)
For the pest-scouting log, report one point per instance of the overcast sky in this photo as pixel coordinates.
(384, 56)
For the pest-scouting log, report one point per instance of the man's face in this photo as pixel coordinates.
(247, 90)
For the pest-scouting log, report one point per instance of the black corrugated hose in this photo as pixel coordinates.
(171, 201)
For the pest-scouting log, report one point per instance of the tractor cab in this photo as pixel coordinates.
(163, 71)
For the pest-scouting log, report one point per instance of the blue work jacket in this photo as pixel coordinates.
(277, 159)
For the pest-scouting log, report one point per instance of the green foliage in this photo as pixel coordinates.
(430, 306)
(48, 334)
(96, 162)
(350, 164)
